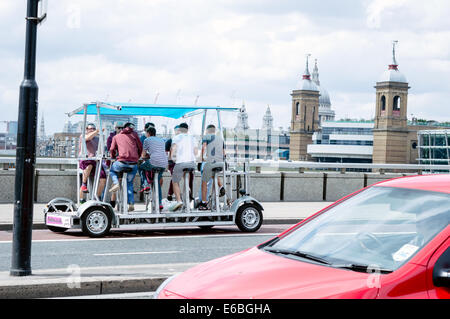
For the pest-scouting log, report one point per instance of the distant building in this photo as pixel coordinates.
(267, 120)
(325, 111)
(12, 128)
(256, 144)
(109, 121)
(8, 137)
(243, 142)
(394, 139)
(42, 135)
(70, 127)
(304, 116)
(434, 146)
(65, 145)
(344, 142)
(242, 120)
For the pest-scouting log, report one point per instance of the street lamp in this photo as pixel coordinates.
(26, 147)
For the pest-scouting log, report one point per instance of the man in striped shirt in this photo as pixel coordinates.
(154, 148)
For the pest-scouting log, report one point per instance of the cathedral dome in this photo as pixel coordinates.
(324, 98)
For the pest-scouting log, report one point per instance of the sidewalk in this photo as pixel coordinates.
(109, 280)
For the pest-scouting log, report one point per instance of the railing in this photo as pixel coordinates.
(9, 162)
(343, 167)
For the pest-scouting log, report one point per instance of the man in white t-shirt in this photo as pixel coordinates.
(184, 149)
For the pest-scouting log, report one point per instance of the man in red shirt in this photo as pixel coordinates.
(126, 147)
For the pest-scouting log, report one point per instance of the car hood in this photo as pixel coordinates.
(258, 274)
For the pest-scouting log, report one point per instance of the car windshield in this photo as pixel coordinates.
(380, 227)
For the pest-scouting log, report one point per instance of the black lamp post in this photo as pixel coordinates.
(26, 151)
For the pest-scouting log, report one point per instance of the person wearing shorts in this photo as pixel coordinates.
(89, 166)
(117, 129)
(184, 147)
(171, 166)
(213, 148)
(154, 147)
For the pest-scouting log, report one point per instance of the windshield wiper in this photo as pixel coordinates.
(363, 268)
(298, 254)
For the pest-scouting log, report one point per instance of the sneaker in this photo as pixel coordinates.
(161, 207)
(130, 207)
(202, 206)
(222, 192)
(84, 189)
(175, 206)
(114, 188)
(145, 190)
(169, 198)
(82, 201)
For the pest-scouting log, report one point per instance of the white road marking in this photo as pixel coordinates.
(137, 253)
(143, 238)
(131, 295)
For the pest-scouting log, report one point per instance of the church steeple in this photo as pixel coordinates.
(306, 84)
(42, 128)
(306, 74)
(315, 74)
(394, 65)
(242, 123)
(267, 120)
(390, 130)
(304, 116)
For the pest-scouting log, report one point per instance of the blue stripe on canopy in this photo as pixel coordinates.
(172, 111)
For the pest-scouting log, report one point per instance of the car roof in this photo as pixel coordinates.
(433, 183)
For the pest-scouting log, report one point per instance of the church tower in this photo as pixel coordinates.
(390, 132)
(325, 111)
(42, 128)
(242, 121)
(267, 120)
(304, 116)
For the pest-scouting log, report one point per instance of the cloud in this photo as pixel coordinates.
(407, 14)
(225, 51)
(379, 9)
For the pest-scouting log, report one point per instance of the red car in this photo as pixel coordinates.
(389, 240)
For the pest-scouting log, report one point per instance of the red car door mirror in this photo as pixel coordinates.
(441, 270)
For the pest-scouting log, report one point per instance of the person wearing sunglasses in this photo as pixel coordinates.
(88, 166)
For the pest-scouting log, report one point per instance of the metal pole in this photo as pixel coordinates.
(26, 152)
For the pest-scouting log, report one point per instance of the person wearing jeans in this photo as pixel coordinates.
(126, 147)
(119, 166)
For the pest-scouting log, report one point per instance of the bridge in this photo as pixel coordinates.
(270, 181)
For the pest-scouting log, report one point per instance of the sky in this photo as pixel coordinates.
(227, 52)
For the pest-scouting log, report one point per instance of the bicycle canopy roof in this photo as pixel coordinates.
(137, 109)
